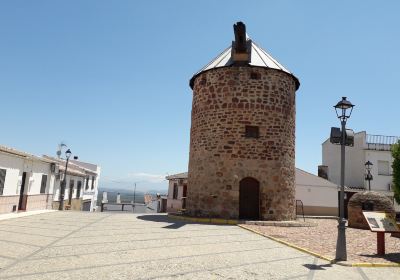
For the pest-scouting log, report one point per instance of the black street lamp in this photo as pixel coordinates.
(343, 109)
(368, 176)
(68, 154)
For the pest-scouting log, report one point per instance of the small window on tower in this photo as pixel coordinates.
(255, 76)
(203, 82)
(252, 131)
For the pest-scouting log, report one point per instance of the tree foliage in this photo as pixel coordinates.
(396, 171)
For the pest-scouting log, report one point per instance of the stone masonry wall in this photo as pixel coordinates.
(225, 100)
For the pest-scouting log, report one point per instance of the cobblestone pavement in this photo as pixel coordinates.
(82, 245)
(361, 244)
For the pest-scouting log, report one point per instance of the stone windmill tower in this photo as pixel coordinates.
(242, 139)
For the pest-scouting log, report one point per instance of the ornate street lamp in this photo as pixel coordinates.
(368, 176)
(68, 154)
(343, 109)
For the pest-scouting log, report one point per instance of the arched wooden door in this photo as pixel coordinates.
(249, 199)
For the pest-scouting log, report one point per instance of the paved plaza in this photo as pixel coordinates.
(83, 245)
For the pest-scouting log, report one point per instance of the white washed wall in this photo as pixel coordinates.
(379, 182)
(13, 165)
(315, 191)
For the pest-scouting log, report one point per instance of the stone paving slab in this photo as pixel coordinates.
(132, 246)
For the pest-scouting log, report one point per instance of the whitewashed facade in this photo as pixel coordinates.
(373, 148)
(90, 193)
(177, 189)
(26, 181)
(318, 195)
(29, 182)
(81, 187)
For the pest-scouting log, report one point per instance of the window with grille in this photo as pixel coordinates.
(78, 189)
(175, 193)
(252, 131)
(92, 182)
(43, 184)
(2, 180)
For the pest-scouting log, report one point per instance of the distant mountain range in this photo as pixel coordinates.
(143, 187)
(127, 195)
(131, 190)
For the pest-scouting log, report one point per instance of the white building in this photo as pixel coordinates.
(373, 148)
(26, 181)
(29, 182)
(81, 187)
(314, 195)
(90, 192)
(367, 147)
(177, 190)
(318, 196)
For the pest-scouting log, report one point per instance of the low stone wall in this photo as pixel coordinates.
(378, 201)
(76, 204)
(7, 203)
(33, 202)
(318, 211)
(38, 202)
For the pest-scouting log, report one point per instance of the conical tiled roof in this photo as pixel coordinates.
(258, 58)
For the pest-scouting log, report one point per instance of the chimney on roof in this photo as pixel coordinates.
(323, 171)
(241, 47)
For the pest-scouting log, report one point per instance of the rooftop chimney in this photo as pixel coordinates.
(323, 171)
(241, 47)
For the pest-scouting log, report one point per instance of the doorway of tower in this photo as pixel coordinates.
(22, 196)
(249, 199)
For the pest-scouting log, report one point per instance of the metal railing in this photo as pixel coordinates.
(300, 203)
(381, 142)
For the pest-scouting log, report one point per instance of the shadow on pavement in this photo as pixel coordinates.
(316, 266)
(392, 257)
(174, 224)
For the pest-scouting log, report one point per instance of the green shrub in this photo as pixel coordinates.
(396, 171)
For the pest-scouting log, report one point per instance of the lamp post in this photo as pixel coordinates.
(368, 176)
(134, 197)
(68, 154)
(343, 110)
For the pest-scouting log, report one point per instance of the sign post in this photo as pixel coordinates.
(381, 243)
(381, 223)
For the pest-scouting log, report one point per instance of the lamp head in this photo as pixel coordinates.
(342, 108)
(68, 153)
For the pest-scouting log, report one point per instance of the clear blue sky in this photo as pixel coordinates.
(111, 78)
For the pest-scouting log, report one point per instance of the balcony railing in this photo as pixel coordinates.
(381, 142)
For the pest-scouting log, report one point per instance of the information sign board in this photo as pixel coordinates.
(381, 221)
